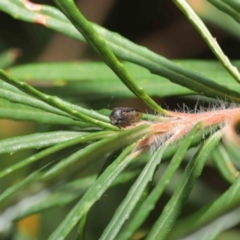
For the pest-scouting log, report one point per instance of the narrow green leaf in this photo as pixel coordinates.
(35, 140)
(69, 8)
(226, 201)
(134, 195)
(78, 138)
(81, 228)
(231, 7)
(209, 39)
(233, 151)
(156, 193)
(95, 150)
(22, 113)
(224, 164)
(220, 207)
(93, 194)
(173, 208)
(54, 101)
(10, 94)
(103, 81)
(199, 136)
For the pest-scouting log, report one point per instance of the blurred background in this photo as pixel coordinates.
(156, 24)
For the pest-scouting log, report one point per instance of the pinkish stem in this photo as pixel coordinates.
(177, 128)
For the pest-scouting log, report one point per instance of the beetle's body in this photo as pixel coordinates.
(123, 116)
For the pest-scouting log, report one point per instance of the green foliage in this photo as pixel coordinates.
(76, 160)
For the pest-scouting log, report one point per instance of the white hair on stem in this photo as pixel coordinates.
(179, 123)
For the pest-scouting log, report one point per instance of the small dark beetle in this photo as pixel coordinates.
(124, 116)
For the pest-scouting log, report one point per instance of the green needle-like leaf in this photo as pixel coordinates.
(94, 150)
(102, 82)
(30, 114)
(173, 208)
(9, 93)
(223, 162)
(99, 45)
(22, 98)
(78, 138)
(231, 7)
(134, 195)
(53, 101)
(93, 194)
(35, 140)
(156, 193)
(204, 32)
(225, 202)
